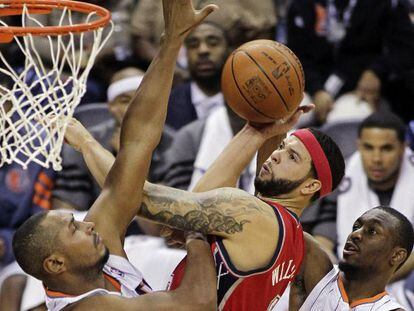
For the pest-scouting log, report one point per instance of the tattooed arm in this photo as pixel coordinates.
(238, 217)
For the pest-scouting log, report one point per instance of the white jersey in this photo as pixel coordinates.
(119, 271)
(329, 294)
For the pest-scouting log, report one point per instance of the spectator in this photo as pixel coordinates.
(23, 192)
(343, 44)
(242, 20)
(75, 187)
(207, 50)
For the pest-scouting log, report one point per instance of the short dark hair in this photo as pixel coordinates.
(334, 156)
(404, 232)
(32, 243)
(384, 120)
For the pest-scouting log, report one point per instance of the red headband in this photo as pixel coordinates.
(319, 159)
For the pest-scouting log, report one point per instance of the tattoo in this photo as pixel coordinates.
(204, 221)
(225, 211)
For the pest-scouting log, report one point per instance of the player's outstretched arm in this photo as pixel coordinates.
(197, 291)
(141, 129)
(227, 168)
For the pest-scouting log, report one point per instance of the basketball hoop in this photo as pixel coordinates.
(39, 101)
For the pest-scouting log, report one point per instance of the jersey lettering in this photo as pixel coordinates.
(281, 273)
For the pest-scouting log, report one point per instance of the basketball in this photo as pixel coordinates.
(263, 81)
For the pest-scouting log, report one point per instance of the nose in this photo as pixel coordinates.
(203, 48)
(275, 156)
(376, 156)
(357, 234)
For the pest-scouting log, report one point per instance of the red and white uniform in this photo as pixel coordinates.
(329, 294)
(119, 271)
(260, 289)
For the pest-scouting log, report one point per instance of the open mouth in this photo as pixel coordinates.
(350, 248)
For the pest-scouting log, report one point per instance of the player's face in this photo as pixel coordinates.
(120, 104)
(370, 244)
(206, 51)
(79, 242)
(287, 167)
(381, 153)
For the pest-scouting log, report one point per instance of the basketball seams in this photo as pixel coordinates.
(241, 91)
(276, 47)
(268, 78)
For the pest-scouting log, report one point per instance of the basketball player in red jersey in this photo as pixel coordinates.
(258, 246)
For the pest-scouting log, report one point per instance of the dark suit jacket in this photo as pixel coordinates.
(181, 110)
(380, 37)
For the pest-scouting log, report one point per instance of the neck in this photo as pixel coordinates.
(363, 286)
(294, 204)
(210, 86)
(77, 284)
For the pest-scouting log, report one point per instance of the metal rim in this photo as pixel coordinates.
(15, 7)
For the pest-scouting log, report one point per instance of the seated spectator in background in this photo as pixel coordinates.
(380, 242)
(197, 145)
(242, 21)
(75, 187)
(342, 44)
(22, 194)
(207, 51)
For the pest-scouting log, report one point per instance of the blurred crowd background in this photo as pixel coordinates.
(358, 58)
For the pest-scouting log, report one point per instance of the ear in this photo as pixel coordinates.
(310, 187)
(54, 264)
(398, 256)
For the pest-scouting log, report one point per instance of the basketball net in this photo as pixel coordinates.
(39, 101)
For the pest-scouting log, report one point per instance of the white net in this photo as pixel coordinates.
(38, 99)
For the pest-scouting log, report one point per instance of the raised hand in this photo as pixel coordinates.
(180, 18)
(281, 127)
(77, 135)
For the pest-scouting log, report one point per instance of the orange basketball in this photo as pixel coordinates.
(263, 81)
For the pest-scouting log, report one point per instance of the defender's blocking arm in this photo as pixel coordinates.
(141, 129)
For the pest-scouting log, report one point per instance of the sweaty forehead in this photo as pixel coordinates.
(295, 143)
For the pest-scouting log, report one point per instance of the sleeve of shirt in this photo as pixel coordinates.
(74, 184)
(326, 221)
(181, 155)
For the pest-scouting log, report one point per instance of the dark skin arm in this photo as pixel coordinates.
(141, 130)
(196, 292)
(315, 266)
